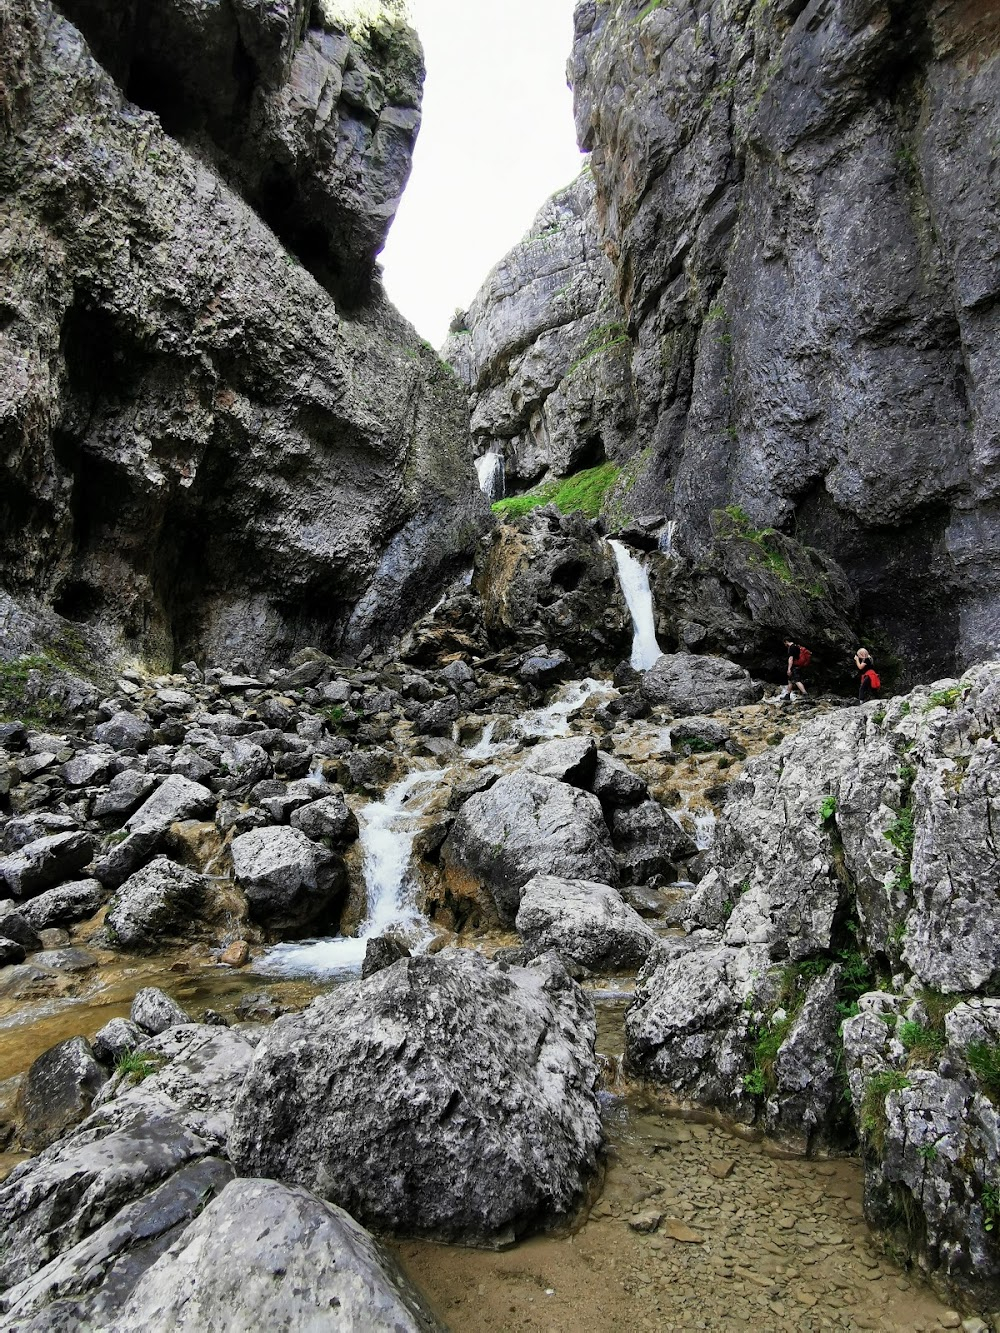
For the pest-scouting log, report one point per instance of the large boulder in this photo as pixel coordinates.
(442, 1097)
(267, 1255)
(40, 864)
(689, 684)
(289, 880)
(161, 902)
(57, 1092)
(65, 904)
(547, 577)
(587, 923)
(526, 825)
(175, 799)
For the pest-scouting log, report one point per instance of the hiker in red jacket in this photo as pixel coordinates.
(869, 676)
(798, 658)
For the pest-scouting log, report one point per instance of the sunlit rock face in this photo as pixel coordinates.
(218, 439)
(542, 349)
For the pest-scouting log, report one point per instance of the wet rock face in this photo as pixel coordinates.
(766, 207)
(258, 470)
(542, 351)
(476, 1083)
(550, 577)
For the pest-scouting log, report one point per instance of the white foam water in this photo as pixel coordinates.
(634, 578)
(554, 719)
(490, 470)
(388, 828)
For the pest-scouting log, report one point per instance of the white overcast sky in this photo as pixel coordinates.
(497, 139)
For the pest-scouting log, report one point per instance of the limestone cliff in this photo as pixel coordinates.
(211, 443)
(802, 227)
(797, 198)
(542, 349)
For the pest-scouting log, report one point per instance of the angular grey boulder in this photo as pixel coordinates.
(527, 825)
(442, 1097)
(154, 1011)
(573, 761)
(125, 792)
(161, 901)
(40, 864)
(175, 799)
(264, 1255)
(615, 784)
(139, 1137)
(65, 904)
(688, 684)
(587, 923)
(288, 880)
(329, 817)
(124, 732)
(118, 1038)
(57, 1092)
(86, 1286)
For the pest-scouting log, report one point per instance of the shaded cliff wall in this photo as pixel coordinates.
(201, 449)
(800, 206)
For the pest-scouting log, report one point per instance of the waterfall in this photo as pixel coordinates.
(635, 585)
(388, 828)
(489, 468)
(667, 537)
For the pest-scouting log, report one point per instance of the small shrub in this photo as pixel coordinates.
(946, 698)
(827, 808)
(984, 1061)
(928, 1151)
(921, 1043)
(873, 1118)
(754, 1082)
(136, 1065)
(991, 1206)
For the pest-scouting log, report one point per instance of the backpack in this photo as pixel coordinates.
(804, 657)
(871, 676)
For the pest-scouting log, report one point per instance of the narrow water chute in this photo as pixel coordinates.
(634, 579)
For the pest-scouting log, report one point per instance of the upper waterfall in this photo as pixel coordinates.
(635, 585)
(492, 481)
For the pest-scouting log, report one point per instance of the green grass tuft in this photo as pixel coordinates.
(984, 1061)
(583, 492)
(874, 1121)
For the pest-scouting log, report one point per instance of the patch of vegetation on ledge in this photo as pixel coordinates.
(583, 492)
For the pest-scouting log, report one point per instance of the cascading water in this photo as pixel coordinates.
(667, 537)
(634, 578)
(388, 828)
(490, 470)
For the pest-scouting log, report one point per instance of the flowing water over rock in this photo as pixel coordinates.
(490, 470)
(635, 585)
(388, 828)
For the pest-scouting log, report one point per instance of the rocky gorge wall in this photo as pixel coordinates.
(216, 436)
(795, 200)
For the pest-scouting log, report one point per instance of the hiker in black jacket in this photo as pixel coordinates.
(798, 657)
(869, 676)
